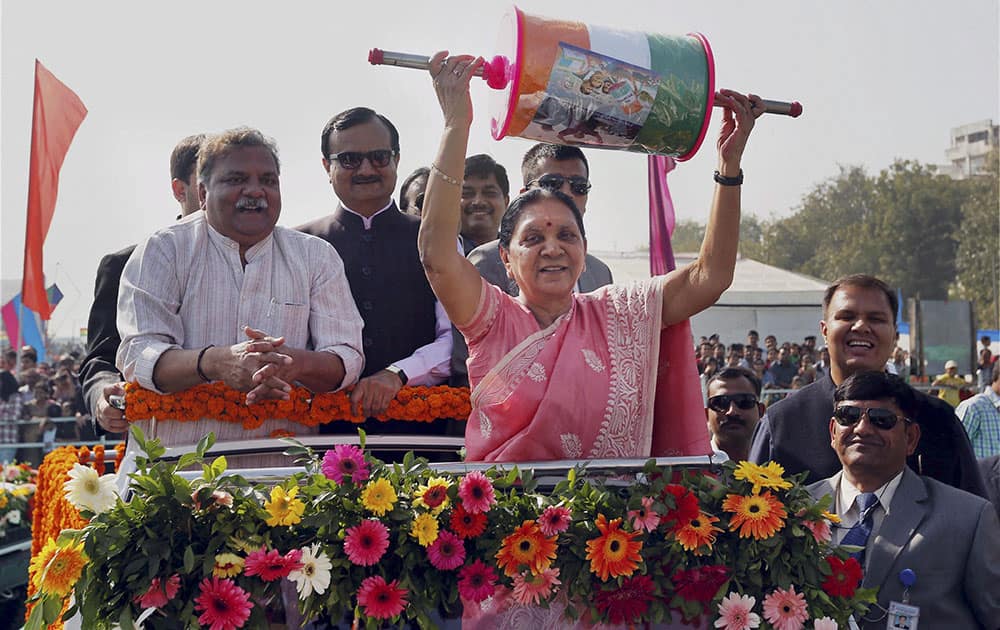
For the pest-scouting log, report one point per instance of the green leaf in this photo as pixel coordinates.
(125, 619)
(186, 460)
(52, 607)
(36, 620)
(188, 559)
(219, 465)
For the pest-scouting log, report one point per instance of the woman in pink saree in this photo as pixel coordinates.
(555, 374)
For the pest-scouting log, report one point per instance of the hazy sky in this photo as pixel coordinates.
(878, 80)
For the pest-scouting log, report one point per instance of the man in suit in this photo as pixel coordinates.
(990, 467)
(98, 375)
(858, 328)
(949, 539)
(407, 335)
(555, 167)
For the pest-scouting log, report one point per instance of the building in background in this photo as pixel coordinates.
(970, 145)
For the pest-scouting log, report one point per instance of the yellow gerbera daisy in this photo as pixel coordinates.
(3, 499)
(378, 497)
(830, 516)
(700, 532)
(766, 476)
(56, 569)
(424, 529)
(433, 496)
(283, 507)
(759, 515)
(227, 565)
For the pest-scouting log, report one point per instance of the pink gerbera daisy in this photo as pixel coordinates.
(785, 610)
(554, 520)
(820, 530)
(345, 461)
(447, 551)
(271, 565)
(531, 589)
(380, 600)
(736, 613)
(223, 605)
(476, 581)
(645, 518)
(365, 543)
(476, 493)
(159, 593)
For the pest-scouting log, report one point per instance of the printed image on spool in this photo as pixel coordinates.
(593, 99)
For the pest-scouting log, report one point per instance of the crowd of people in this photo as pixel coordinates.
(461, 284)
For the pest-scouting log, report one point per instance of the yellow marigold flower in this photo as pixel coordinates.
(3, 499)
(766, 476)
(378, 497)
(424, 529)
(56, 569)
(283, 507)
(760, 516)
(227, 565)
(433, 496)
(22, 491)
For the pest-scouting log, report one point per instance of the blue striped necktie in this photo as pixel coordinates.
(858, 535)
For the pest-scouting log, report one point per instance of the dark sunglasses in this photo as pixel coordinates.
(353, 159)
(742, 401)
(554, 181)
(849, 415)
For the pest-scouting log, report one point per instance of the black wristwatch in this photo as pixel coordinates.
(398, 371)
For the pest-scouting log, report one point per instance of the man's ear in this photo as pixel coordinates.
(202, 193)
(326, 168)
(180, 189)
(912, 437)
(833, 433)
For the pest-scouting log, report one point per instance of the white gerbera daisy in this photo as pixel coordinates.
(87, 490)
(314, 576)
(14, 517)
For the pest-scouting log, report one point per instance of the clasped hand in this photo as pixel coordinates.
(256, 366)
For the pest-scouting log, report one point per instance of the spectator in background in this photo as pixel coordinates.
(752, 338)
(782, 371)
(411, 193)
(734, 409)
(39, 410)
(772, 358)
(771, 342)
(984, 370)
(735, 357)
(29, 359)
(807, 373)
(980, 415)
(10, 413)
(709, 369)
(485, 195)
(950, 384)
(823, 365)
(809, 343)
(759, 369)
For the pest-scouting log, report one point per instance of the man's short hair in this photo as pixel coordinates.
(734, 373)
(184, 157)
(752, 332)
(862, 281)
(877, 385)
(422, 171)
(482, 166)
(541, 152)
(27, 352)
(352, 117)
(808, 337)
(736, 347)
(219, 145)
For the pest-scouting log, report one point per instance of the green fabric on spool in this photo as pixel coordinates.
(678, 111)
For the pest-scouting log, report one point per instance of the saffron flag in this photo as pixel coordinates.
(57, 115)
(678, 409)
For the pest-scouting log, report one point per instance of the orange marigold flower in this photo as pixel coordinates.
(615, 552)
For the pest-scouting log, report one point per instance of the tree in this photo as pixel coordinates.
(978, 259)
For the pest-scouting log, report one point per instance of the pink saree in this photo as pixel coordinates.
(600, 382)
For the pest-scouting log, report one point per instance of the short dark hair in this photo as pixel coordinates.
(352, 117)
(808, 337)
(736, 347)
(184, 157)
(27, 352)
(734, 373)
(422, 171)
(516, 208)
(753, 332)
(482, 166)
(219, 145)
(876, 385)
(862, 281)
(541, 152)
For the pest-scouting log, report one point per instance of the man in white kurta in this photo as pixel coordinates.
(226, 295)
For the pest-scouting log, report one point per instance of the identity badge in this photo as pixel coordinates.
(902, 616)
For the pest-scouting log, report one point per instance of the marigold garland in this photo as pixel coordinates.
(220, 402)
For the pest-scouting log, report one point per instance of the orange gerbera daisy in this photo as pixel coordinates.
(759, 515)
(527, 546)
(56, 569)
(698, 533)
(615, 552)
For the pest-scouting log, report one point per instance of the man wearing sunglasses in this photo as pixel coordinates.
(734, 409)
(407, 335)
(859, 330)
(555, 167)
(948, 539)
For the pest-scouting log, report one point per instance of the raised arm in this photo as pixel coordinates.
(455, 281)
(694, 288)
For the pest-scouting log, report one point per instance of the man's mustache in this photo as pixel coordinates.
(251, 203)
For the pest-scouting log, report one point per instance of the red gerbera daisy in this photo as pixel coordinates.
(447, 552)
(844, 577)
(685, 506)
(223, 605)
(159, 592)
(271, 565)
(627, 604)
(476, 492)
(380, 600)
(365, 543)
(345, 461)
(476, 581)
(466, 524)
(700, 584)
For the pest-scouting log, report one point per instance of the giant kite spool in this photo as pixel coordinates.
(567, 82)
